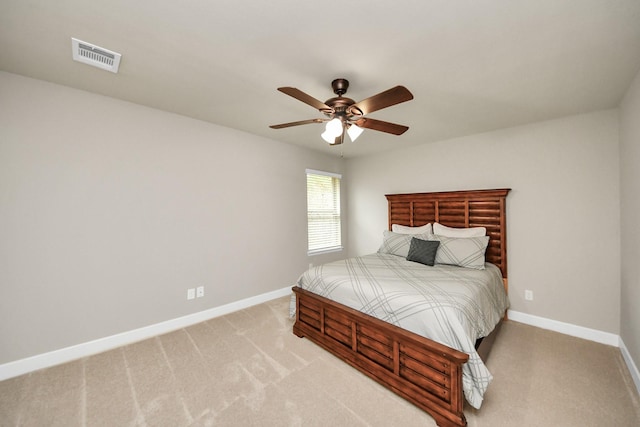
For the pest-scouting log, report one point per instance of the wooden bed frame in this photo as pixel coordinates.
(422, 371)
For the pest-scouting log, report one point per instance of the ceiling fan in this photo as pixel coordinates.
(345, 116)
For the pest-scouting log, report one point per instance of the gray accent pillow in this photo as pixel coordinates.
(398, 244)
(423, 251)
(464, 252)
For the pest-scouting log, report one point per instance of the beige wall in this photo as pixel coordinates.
(630, 202)
(563, 211)
(109, 211)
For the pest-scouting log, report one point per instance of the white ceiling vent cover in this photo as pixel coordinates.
(95, 55)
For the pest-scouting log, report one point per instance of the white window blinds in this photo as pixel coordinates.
(323, 211)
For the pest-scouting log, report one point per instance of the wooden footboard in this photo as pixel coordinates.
(424, 372)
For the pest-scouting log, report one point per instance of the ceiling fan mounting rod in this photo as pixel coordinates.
(343, 107)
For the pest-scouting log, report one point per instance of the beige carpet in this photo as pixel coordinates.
(248, 369)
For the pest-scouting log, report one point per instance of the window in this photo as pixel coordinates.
(323, 212)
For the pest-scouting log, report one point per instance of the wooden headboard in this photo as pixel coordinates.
(474, 208)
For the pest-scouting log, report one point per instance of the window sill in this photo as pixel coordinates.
(324, 251)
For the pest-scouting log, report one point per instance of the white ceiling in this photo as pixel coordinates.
(472, 65)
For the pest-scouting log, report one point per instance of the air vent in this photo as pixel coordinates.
(96, 56)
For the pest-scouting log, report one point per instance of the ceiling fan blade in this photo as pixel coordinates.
(393, 96)
(301, 122)
(381, 126)
(307, 99)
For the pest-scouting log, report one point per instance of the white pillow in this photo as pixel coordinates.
(443, 230)
(404, 229)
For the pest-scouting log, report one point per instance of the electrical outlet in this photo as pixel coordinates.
(200, 291)
(191, 293)
(528, 295)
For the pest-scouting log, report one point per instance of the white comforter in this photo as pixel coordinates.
(451, 305)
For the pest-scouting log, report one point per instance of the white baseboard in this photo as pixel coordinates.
(565, 328)
(56, 357)
(633, 369)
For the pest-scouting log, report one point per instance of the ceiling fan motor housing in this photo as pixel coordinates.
(339, 107)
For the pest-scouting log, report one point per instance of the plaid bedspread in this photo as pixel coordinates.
(451, 305)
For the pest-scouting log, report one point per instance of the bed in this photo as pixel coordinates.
(385, 337)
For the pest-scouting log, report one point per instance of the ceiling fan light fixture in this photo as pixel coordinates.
(327, 137)
(354, 132)
(334, 127)
(332, 130)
